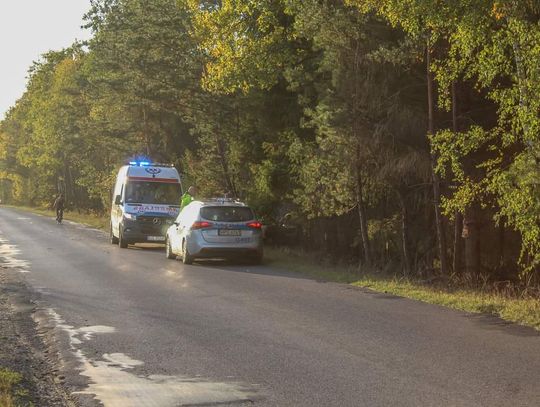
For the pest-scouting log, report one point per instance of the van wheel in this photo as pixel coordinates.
(113, 238)
(121, 241)
(186, 257)
(168, 250)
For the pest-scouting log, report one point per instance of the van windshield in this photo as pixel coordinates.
(227, 213)
(153, 193)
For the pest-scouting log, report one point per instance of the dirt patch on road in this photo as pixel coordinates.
(23, 350)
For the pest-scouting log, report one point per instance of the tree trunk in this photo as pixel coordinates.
(225, 166)
(405, 233)
(364, 236)
(362, 217)
(146, 136)
(457, 262)
(501, 244)
(439, 221)
(458, 217)
(471, 233)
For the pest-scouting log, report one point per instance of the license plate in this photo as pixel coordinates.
(156, 238)
(229, 232)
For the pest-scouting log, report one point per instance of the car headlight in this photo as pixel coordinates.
(130, 216)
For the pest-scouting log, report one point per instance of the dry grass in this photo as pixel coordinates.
(524, 310)
(8, 392)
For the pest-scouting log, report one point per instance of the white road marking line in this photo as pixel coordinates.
(7, 257)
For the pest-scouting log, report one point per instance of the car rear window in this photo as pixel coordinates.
(227, 213)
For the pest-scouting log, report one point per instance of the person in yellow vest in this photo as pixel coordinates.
(188, 197)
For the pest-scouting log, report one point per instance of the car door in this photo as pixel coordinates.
(190, 214)
(180, 228)
(175, 232)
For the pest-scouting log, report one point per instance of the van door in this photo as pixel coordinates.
(116, 209)
(118, 212)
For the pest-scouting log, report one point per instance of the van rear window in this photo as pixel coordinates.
(227, 213)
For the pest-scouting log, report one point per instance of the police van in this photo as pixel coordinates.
(146, 201)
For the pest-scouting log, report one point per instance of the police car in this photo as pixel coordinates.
(217, 228)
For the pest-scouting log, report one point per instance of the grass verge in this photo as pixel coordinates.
(522, 310)
(9, 393)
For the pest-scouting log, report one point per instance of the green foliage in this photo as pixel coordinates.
(496, 45)
(315, 107)
(9, 394)
(246, 42)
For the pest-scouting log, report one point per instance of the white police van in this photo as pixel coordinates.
(146, 201)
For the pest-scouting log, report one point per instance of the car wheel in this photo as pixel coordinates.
(186, 257)
(113, 238)
(122, 243)
(168, 250)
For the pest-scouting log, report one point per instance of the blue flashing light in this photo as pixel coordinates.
(140, 163)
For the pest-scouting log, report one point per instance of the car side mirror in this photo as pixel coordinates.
(118, 200)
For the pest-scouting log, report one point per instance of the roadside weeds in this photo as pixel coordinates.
(9, 393)
(28, 365)
(524, 310)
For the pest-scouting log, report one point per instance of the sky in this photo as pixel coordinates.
(29, 28)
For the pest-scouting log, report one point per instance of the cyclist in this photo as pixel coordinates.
(58, 205)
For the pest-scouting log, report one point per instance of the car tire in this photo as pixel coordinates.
(113, 238)
(186, 257)
(168, 250)
(122, 243)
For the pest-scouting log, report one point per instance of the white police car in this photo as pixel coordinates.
(215, 229)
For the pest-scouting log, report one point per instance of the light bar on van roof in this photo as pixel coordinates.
(148, 163)
(140, 163)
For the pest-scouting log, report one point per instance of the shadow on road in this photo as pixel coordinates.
(240, 266)
(491, 322)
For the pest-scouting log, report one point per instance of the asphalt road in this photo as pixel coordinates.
(136, 329)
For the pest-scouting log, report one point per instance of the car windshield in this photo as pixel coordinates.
(153, 193)
(227, 213)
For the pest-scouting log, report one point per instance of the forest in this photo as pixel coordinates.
(399, 135)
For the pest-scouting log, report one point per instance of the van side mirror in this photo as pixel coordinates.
(118, 200)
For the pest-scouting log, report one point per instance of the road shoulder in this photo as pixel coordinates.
(23, 348)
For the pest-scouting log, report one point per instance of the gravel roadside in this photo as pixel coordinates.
(24, 349)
